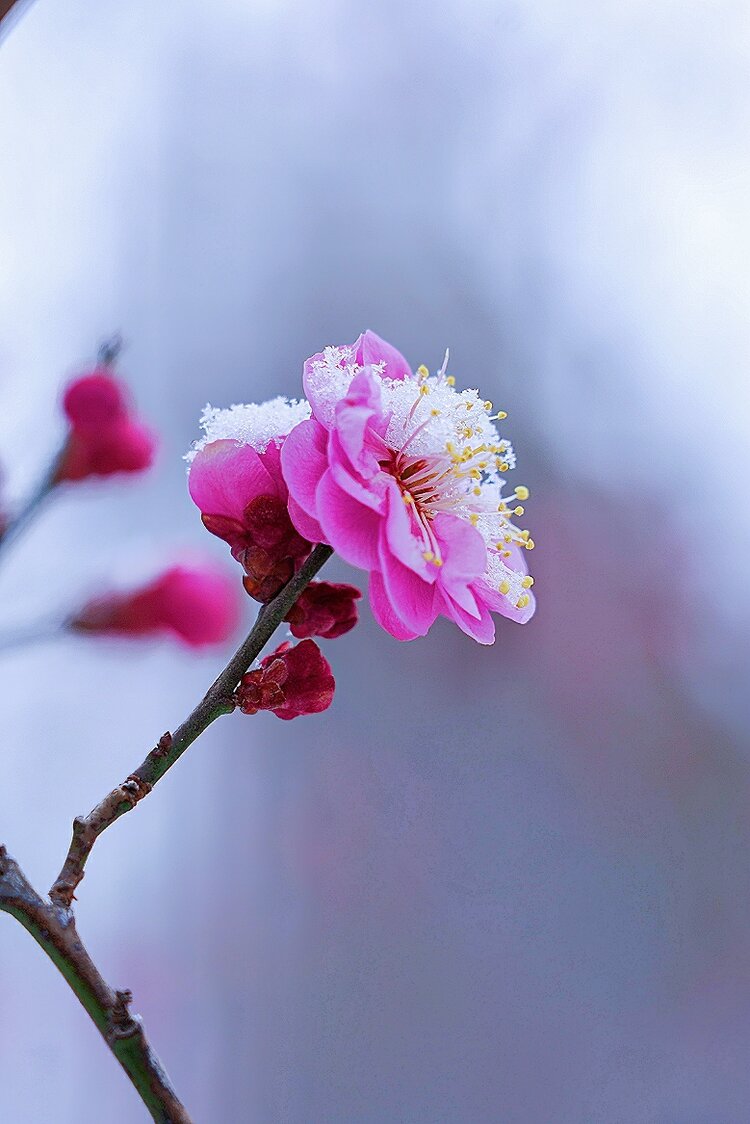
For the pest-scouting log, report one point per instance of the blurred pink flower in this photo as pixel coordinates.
(198, 606)
(292, 681)
(236, 482)
(105, 437)
(326, 609)
(403, 475)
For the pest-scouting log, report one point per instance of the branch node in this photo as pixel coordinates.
(135, 788)
(163, 745)
(123, 1024)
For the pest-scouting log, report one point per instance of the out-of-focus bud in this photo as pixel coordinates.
(197, 606)
(292, 681)
(326, 609)
(105, 436)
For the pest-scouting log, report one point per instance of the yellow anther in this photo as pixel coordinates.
(469, 405)
(475, 474)
(529, 544)
(423, 372)
(424, 388)
(428, 555)
(527, 582)
(518, 510)
(406, 497)
(502, 415)
(504, 587)
(498, 546)
(435, 413)
(522, 492)
(508, 538)
(482, 464)
(488, 405)
(524, 535)
(522, 601)
(437, 561)
(503, 467)
(477, 491)
(450, 380)
(473, 518)
(506, 554)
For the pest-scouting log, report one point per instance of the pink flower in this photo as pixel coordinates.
(292, 681)
(105, 437)
(403, 475)
(326, 609)
(236, 482)
(198, 606)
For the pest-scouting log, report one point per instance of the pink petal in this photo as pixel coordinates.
(304, 524)
(303, 461)
(499, 603)
(271, 460)
(464, 557)
(412, 598)
(481, 630)
(356, 417)
(370, 492)
(383, 611)
(401, 537)
(349, 527)
(225, 477)
(370, 349)
(462, 548)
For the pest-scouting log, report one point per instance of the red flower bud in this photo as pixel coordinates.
(95, 400)
(293, 680)
(105, 437)
(268, 548)
(199, 607)
(243, 500)
(324, 609)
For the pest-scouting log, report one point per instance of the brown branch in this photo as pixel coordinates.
(5, 7)
(217, 701)
(55, 932)
(51, 922)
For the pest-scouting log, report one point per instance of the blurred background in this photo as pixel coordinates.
(504, 885)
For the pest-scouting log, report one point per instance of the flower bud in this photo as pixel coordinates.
(104, 437)
(243, 500)
(197, 606)
(292, 681)
(324, 609)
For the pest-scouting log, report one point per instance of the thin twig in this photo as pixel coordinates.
(216, 701)
(55, 932)
(5, 7)
(41, 632)
(33, 504)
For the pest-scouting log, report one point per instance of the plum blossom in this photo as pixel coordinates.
(197, 606)
(236, 482)
(403, 474)
(291, 681)
(105, 436)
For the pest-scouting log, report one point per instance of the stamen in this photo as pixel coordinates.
(441, 372)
